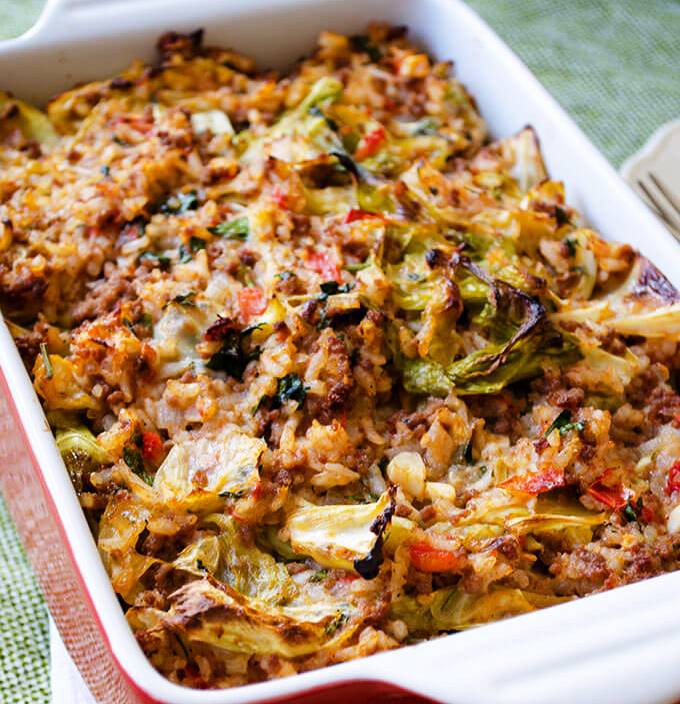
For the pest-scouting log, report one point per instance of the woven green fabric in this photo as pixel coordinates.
(24, 637)
(613, 64)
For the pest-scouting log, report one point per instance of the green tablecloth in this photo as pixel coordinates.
(613, 64)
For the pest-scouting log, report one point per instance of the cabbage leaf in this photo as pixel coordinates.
(195, 474)
(204, 613)
(343, 536)
(228, 558)
(454, 609)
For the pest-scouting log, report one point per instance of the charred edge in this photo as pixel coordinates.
(348, 164)
(187, 45)
(369, 566)
(218, 330)
(652, 282)
(503, 296)
(119, 83)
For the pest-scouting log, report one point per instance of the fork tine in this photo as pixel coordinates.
(656, 208)
(649, 200)
(660, 209)
(665, 191)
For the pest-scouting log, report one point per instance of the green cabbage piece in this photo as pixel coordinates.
(227, 464)
(454, 609)
(550, 515)
(522, 343)
(612, 373)
(348, 537)
(215, 121)
(228, 558)
(175, 337)
(646, 305)
(663, 322)
(305, 126)
(81, 453)
(584, 262)
(202, 613)
(528, 168)
(33, 123)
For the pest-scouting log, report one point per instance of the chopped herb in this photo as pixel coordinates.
(233, 494)
(185, 299)
(264, 400)
(146, 319)
(237, 229)
(578, 426)
(319, 576)
(201, 566)
(49, 372)
(360, 42)
(629, 512)
(561, 216)
(105, 170)
(316, 111)
(186, 254)
(120, 142)
(564, 424)
(159, 260)
(285, 275)
(426, 126)
(129, 325)
(133, 459)
(180, 204)
(290, 387)
(336, 623)
(231, 358)
(571, 246)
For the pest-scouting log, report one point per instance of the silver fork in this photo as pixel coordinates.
(662, 201)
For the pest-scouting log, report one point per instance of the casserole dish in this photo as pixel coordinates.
(119, 671)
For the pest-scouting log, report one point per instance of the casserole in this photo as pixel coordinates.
(550, 128)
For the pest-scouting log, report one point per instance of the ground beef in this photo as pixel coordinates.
(102, 297)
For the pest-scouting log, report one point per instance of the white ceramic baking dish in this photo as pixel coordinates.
(622, 646)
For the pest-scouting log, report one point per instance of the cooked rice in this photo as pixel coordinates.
(354, 375)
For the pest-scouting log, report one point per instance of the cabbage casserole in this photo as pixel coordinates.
(331, 371)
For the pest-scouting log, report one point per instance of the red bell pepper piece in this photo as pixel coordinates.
(535, 483)
(615, 496)
(280, 198)
(673, 482)
(251, 302)
(358, 214)
(370, 143)
(324, 264)
(152, 446)
(427, 558)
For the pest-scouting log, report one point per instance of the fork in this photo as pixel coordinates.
(662, 201)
